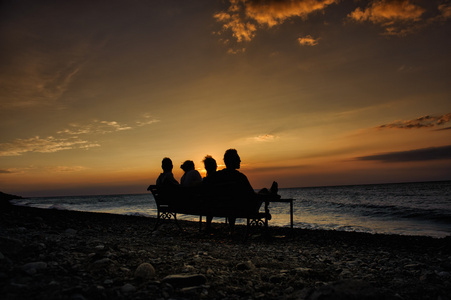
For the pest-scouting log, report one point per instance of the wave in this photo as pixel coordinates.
(442, 215)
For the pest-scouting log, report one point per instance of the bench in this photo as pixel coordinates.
(195, 202)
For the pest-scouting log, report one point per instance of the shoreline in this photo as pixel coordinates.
(61, 254)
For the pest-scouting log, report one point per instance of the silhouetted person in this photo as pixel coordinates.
(191, 177)
(238, 186)
(211, 167)
(232, 161)
(166, 179)
(241, 190)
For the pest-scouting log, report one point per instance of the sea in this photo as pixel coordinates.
(420, 209)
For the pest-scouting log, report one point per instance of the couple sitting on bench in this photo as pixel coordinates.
(221, 193)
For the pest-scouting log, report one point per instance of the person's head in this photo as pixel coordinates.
(232, 159)
(188, 165)
(166, 164)
(210, 164)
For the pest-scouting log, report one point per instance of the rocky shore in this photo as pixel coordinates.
(51, 254)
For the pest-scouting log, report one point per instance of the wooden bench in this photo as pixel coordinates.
(195, 202)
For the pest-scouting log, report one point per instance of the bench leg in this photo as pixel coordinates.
(158, 221)
(162, 216)
(176, 222)
(248, 225)
(232, 221)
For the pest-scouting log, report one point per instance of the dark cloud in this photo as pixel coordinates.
(425, 154)
(421, 122)
(5, 172)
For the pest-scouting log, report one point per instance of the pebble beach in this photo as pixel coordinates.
(56, 254)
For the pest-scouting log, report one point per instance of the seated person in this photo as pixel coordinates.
(236, 185)
(166, 179)
(166, 183)
(191, 177)
(210, 166)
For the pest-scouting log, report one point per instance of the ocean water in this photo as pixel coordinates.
(404, 208)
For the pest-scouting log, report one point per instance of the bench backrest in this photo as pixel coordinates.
(216, 198)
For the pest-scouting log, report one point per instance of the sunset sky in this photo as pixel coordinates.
(93, 94)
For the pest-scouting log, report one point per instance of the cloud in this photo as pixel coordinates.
(445, 11)
(236, 51)
(425, 154)
(104, 127)
(264, 138)
(38, 75)
(308, 41)
(97, 127)
(148, 120)
(65, 169)
(5, 172)
(273, 169)
(43, 145)
(421, 122)
(244, 17)
(396, 16)
(68, 138)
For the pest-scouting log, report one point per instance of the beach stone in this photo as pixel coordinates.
(276, 278)
(102, 262)
(10, 245)
(412, 266)
(128, 288)
(349, 289)
(245, 266)
(304, 271)
(145, 271)
(70, 231)
(182, 280)
(77, 297)
(33, 267)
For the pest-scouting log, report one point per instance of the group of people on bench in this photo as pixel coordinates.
(228, 183)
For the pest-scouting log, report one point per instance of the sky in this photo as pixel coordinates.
(94, 94)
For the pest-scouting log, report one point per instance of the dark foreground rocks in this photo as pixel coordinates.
(48, 254)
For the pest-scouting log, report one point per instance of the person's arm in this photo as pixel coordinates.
(246, 185)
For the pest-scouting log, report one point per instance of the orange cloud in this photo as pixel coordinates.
(394, 15)
(241, 30)
(264, 138)
(308, 41)
(244, 17)
(43, 145)
(421, 122)
(68, 139)
(445, 10)
(273, 13)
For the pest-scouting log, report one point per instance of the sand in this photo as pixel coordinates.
(52, 254)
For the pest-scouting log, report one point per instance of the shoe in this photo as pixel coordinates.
(274, 188)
